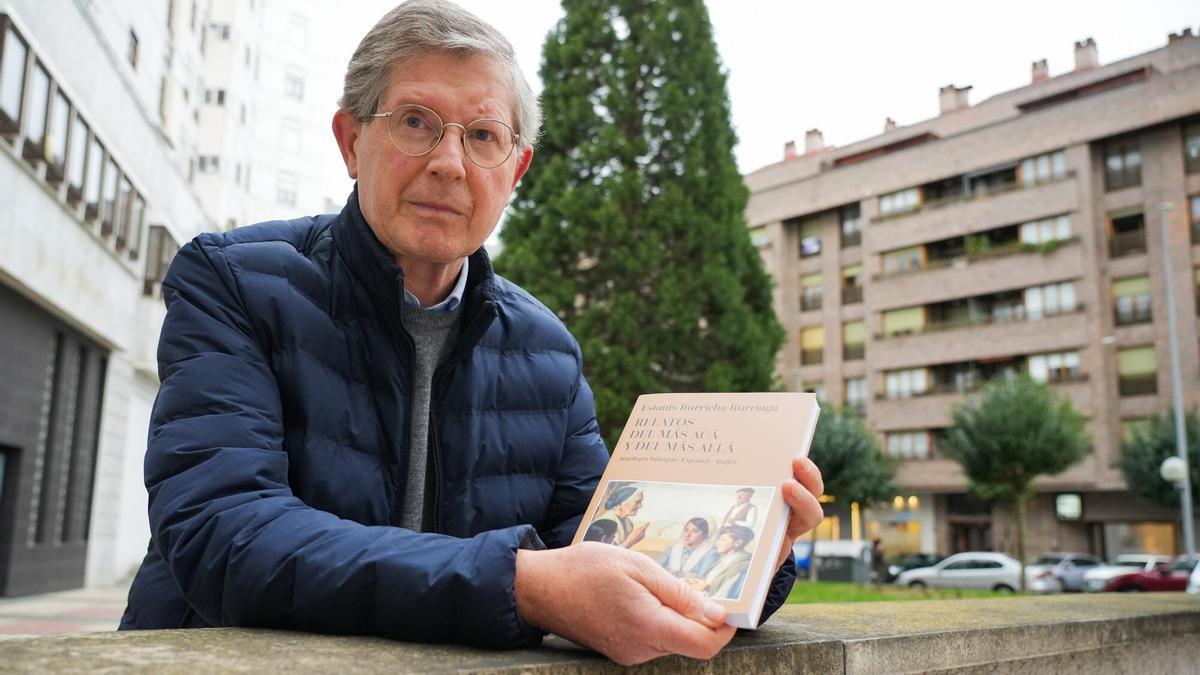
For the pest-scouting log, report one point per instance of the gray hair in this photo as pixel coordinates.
(419, 27)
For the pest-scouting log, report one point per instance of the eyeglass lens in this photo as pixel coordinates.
(416, 130)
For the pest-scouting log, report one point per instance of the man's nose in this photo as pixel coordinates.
(449, 158)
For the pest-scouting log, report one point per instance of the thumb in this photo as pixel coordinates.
(677, 595)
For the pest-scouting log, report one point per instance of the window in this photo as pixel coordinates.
(810, 238)
(852, 290)
(857, 394)
(242, 114)
(851, 217)
(759, 237)
(1050, 299)
(1057, 367)
(124, 208)
(1131, 298)
(136, 224)
(293, 84)
(286, 185)
(902, 201)
(56, 137)
(92, 179)
(214, 96)
(1046, 230)
(76, 159)
(1137, 371)
(133, 49)
(907, 383)
(906, 321)
(902, 260)
(1128, 233)
(161, 250)
(35, 112)
(812, 345)
(209, 164)
(1191, 147)
(854, 340)
(220, 30)
(12, 77)
(1122, 164)
(811, 292)
(1046, 168)
(108, 197)
(908, 444)
(289, 135)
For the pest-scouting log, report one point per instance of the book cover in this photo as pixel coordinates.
(694, 483)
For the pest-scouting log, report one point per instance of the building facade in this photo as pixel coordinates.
(1020, 234)
(93, 181)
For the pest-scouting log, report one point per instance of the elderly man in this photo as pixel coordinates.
(362, 429)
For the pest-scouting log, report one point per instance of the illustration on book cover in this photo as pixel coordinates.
(705, 534)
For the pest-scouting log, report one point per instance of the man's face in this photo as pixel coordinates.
(726, 542)
(439, 207)
(691, 536)
(743, 497)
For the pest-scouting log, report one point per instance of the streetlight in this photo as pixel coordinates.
(1179, 467)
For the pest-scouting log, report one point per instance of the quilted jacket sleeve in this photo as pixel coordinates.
(584, 457)
(242, 548)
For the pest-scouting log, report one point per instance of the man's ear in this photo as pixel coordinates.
(522, 165)
(346, 129)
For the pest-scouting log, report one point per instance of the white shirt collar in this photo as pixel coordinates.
(450, 302)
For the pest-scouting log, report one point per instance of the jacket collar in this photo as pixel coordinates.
(375, 268)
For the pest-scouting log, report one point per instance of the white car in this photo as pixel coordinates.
(1194, 580)
(984, 571)
(1095, 579)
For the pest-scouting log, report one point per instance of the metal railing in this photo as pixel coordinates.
(854, 352)
(852, 294)
(1138, 385)
(1127, 243)
(1019, 315)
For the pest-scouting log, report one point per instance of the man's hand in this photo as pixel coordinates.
(801, 495)
(618, 602)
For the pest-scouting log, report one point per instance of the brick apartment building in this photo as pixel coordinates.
(1021, 233)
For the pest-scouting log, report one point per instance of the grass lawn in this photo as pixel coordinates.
(837, 591)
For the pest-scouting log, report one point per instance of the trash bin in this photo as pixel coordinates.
(844, 560)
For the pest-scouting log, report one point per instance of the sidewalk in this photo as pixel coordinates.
(80, 610)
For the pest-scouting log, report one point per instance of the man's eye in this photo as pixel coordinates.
(483, 135)
(412, 121)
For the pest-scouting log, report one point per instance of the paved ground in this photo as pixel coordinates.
(85, 609)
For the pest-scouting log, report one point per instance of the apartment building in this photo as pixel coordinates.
(1019, 234)
(95, 195)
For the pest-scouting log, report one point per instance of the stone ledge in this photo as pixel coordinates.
(1093, 633)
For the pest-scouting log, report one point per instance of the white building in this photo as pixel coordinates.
(95, 100)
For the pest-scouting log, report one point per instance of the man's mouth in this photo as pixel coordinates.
(437, 207)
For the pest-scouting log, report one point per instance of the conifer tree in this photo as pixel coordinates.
(630, 225)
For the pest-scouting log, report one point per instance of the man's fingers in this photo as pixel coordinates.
(683, 636)
(678, 596)
(806, 510)
(808, 475)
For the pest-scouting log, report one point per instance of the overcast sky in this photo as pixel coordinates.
(843, 67)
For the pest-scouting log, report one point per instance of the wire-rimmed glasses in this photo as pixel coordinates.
(416, 130)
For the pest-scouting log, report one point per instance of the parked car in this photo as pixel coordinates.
(1068, 568)
(1194, 580)
(976, 570)
(1097, 578)
(1164, 577)
(910, 561)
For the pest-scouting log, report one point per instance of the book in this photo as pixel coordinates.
(694, 483)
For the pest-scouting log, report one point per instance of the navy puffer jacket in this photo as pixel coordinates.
(278, 444)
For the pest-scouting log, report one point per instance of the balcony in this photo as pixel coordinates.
(811, 357)
(985, 274)
(1127, 243)
(852, 295)
(932, 409)
(850, 239)
(810, 303)
(983, 342)
(1138, 385)
(854, 352)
